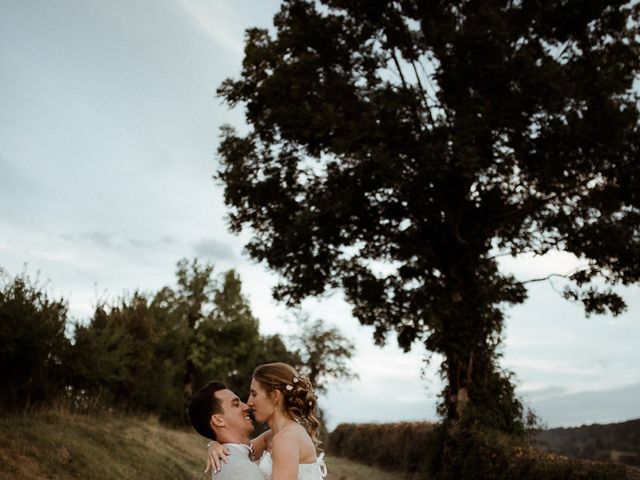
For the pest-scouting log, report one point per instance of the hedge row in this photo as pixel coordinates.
(490, 455)
(404, 446)
(415, 448)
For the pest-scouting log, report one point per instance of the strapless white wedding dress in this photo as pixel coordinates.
(306, 471)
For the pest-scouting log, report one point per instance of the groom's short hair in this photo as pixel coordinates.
(202, 406)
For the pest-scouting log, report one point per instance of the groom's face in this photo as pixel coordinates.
(235, 413)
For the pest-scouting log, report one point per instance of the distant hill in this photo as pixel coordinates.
(619, 442)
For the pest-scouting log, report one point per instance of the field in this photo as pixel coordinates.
(63, 446)
(342, 469)
(58, 445)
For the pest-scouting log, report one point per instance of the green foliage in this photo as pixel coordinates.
(33, 346)
(146, 352)
(494, 403)
(228, 344)
(324, 352)
(404, 447)
(398, 148)
(149, 353)
(120, 356)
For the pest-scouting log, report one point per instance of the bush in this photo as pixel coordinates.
(33, 345)
(471, 453)
(490, 455)
(404, 446)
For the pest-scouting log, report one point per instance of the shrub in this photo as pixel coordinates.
(404, 446)
(33, 345)
(471, 453)
(490, 455)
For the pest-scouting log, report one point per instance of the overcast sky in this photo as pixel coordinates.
(108, 131)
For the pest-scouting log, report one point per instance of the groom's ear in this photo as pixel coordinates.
(216, 421)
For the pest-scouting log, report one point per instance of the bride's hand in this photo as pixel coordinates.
(216, 454)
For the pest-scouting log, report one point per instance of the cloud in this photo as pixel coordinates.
(539, 390)
(216, 20)
(106, 240)
(606, 406)
(99, 239)
(555, 366)
(214, 250)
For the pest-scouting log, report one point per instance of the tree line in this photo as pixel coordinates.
(147, 352)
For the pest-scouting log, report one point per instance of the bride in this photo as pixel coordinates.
(286, 403)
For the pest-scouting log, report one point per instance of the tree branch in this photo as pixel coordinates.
(395, 60)
(548, 277)
(423, 92)
(420, 125)
(551, 275)
(561, 54)
(428, 80)
(506, 254)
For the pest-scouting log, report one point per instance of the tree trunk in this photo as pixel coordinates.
(190, 369)
(187, 385)
(460, 387)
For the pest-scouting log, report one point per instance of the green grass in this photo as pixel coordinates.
(58, 445)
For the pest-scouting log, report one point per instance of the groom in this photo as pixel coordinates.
(218, 414)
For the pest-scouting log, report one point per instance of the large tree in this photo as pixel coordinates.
(397, 148)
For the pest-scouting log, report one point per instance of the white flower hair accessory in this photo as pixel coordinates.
(289, 387)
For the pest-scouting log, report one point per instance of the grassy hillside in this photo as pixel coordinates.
(63, 446)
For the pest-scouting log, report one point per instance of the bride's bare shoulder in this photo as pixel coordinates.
(291, 433)
(295, 437)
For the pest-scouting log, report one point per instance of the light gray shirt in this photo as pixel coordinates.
(240, 466)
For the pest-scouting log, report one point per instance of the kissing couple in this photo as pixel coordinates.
(278, 397)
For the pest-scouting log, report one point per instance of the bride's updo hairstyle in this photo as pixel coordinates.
(300, 403)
